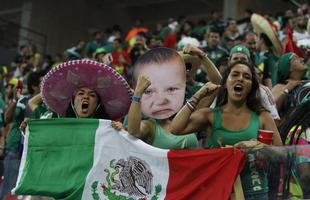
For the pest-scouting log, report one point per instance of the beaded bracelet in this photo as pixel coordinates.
(136, 99)
(190, 106)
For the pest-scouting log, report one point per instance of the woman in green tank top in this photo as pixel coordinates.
(237, 117)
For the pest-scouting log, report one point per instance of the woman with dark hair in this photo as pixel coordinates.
(235, 120)
(83, 89)
(86, 89)
(238, 102)
(78, 105)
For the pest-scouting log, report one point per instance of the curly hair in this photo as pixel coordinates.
(253, 98)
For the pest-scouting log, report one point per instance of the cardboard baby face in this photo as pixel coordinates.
(165, 96)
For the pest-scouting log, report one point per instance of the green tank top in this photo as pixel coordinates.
(163, 139)
(229, 137)
(253, 178)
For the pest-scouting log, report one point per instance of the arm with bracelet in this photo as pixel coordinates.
(189, 119)
(136, 126)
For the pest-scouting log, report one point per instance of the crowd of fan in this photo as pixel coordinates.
(216, 37)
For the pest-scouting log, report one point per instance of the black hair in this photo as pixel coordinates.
(300, 116)
(253, 98)
(215, 30)
(33, 79)
(266, 39)
(119, 40)
(100, 112)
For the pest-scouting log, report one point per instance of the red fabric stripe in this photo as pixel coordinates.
(203, 174)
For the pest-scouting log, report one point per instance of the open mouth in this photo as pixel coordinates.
(85, 106)
(238, 88)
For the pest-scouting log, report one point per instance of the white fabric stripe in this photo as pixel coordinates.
(111, 144)
(23, 159)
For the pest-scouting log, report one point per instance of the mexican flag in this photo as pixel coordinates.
(87, 159)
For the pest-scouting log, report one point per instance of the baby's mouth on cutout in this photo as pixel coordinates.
(160, 112)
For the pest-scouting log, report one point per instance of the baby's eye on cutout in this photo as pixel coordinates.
(172, 89)
(147, 92)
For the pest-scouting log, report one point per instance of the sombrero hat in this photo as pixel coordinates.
(261, 25)
(59, 85)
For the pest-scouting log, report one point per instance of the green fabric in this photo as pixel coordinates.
(165, 140)
(267, 63)
(109, 48)
(2, 111)
(200, 30)
(229, 137)
(240, 49)
(200, 76)
(308, 72)
(273, 69)
(284, 65)
(14, 137)
(39, 111)
(215, 54)
(75, 151)
(251, 175)
(100, 50)
(164, 32)
(91, 47)
(191, 90)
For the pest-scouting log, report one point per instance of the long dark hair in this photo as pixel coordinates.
(300, 116)
(253, 98)
(100, 112)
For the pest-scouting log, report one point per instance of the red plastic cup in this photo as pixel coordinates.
(265, 136)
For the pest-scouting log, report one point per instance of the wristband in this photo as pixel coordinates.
(136, 99)
(203, 55)
(190, 106)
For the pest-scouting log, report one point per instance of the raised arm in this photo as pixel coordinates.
(279, 91)
(207, 65)
(137, 127)
(35, 101)
(188, 120)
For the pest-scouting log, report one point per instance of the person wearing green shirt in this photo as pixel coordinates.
(15, 114)
(237, 102)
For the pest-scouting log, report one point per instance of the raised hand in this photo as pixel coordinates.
(117, 125)
(142, 83)
(191, 49)
(206, 90)
(291, 84)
